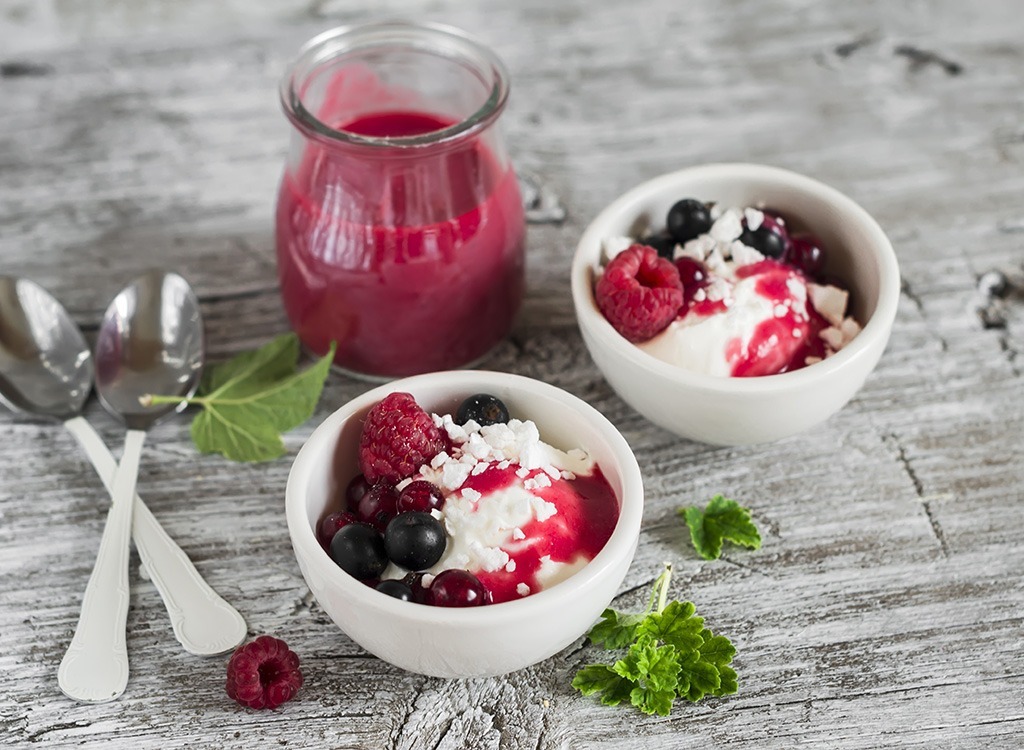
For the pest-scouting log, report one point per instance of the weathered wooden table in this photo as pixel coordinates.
(886, 606)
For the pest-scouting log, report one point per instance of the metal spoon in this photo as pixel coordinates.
(46, 370)
(151, 336)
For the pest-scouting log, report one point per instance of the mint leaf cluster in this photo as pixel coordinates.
(669, 655)
(722, 519)
(251, 399)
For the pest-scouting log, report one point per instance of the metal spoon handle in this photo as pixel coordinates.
(95, 667)
(203, 622)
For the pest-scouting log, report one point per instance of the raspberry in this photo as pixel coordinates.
(263, 674)
(398, 437)
(639, 293)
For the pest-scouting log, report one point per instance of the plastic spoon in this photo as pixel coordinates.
(151, 336)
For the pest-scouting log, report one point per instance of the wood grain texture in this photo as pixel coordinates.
(886, 607)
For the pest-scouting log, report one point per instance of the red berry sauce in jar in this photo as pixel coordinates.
(400, 227)
(401, 287)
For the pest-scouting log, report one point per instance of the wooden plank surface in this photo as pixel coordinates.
(886, 607)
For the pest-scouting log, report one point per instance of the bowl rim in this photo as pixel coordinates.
(878, 326)
(622, 541)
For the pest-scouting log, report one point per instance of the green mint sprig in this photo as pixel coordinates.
(722, 519)
(669, 654)
(248, 401)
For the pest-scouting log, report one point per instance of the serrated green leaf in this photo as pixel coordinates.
(653, 701)
(652, 666)
(722, 519)
(717, 649)
(697, 678)
(729, 684)
(599, 678)
(254, 398)
(670, 653)
(616, 629)
(675, 625)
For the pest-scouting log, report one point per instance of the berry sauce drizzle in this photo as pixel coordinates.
(587, 512)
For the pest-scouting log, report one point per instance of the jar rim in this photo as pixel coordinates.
(433, 37)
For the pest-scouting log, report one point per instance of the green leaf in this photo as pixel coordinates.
(717, 650)
(670, 653)
(255, 397)
(599, 678)
(616, 629)
(729, 684)
(653, 701)
(653, 666)
(722, 519)
(273, 361)
(675, 625)
(697, 677)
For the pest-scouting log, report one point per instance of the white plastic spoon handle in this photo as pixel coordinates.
(203, 622)
(95, 666)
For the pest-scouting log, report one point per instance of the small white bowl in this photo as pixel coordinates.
(478, 641)
(739, 411)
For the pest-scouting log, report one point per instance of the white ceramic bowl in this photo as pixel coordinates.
(478, 641)
(737, 411)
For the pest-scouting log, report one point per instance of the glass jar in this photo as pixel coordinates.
(400, 228)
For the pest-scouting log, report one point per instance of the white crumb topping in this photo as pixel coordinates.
(697, 248)
(728, 227)
(830, 301)
(522, 589)
(480, 525)
(542, 509)
(744, 255)
(612, 246)
(754, 218)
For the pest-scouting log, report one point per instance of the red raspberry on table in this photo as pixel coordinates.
(639, 293)
(398, 437)
(264, 673)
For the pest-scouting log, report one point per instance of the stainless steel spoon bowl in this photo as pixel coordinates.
(150, 341)
(45, 365)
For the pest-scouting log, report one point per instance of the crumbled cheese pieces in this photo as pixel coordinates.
(721, 251)
(478, 525)
(612, 246)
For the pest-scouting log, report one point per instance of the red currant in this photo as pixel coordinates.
(457, 588)
(420, 495)
(378, 506)
(331, 524)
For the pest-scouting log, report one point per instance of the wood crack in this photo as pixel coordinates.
(921, 58)
(846, 49)
(37, 735)
(936, 528)
(1010, 352)
(908, 469)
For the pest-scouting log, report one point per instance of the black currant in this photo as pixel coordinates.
(358, 549)
(482, 408)
(415, 540)
(688, 219)
(396, 589)
(665, 244)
